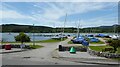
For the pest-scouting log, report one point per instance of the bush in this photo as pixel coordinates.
(108, 49)
(22, 37)
(109, 41)
(112, 51)
(115, 44)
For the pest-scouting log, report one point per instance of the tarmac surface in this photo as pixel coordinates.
(40, 56)
(43, 56)
(3, 51)
(84, 57)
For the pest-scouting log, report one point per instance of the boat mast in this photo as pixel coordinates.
(64, 22)
(78, 29)
(63, 28)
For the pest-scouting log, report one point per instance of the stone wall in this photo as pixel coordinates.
(103, 54)
(14, 46)
(77, 48)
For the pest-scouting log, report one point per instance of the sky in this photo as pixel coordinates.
(53, 14)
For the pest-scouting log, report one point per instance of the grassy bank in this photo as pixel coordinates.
(100, 42)
(99, 48)
(52, 40)
(49, 41)
(70, 42)
(118, 50)
(43, 41)
(35, 46)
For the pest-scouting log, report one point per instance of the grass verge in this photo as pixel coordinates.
(49, 41)
(100, 42)
(70, 42)
(52, 40)
(99, 48)
(118, 59)
(35, 46)
(43, 41)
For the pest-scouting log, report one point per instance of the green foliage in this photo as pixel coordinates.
(118, 28)
(118, 50)
(109, 49)
(99, 42)
(109, 41)
(115, 44)
(70, 42)
(99, 48)
(44, 29)
(112, 51)
(22, 37)
(49, 41)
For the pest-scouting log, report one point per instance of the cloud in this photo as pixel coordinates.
(57, 10)
(12, 14)
(49, 13)
(105, 21)
(60, 0)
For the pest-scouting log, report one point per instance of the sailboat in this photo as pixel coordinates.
(61, 35)
(79, 39)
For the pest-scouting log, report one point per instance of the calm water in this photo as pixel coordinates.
(9, 37)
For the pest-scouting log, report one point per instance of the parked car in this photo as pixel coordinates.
(78, 40)
(94, 40)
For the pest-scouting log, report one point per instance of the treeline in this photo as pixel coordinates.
(43, 29)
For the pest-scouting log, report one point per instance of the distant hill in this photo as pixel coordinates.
(45, 29)
(24, 28)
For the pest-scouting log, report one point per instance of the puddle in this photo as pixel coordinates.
(56, 63)
(42, 58)
(26, 57)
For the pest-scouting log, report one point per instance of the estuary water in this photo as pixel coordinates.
(9, 37)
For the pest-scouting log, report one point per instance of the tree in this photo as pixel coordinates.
(115, 44)
(22, 37)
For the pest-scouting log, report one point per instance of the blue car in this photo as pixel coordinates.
(90, 35)
(85, 43)
(94, 40)
(78, 40)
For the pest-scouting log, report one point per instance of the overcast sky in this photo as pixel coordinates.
(53, 13)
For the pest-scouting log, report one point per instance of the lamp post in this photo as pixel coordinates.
(33, 35)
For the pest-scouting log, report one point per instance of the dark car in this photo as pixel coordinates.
(78, 40)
